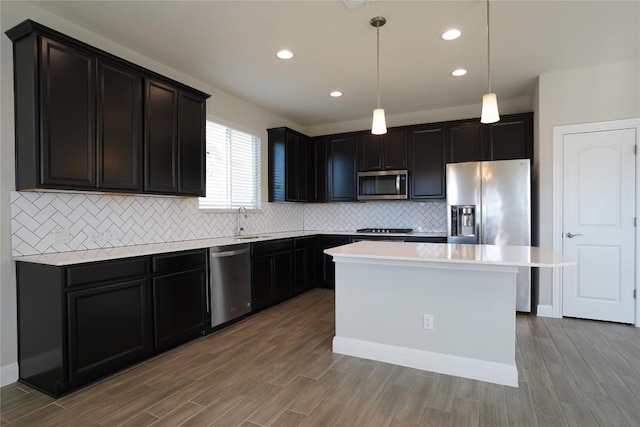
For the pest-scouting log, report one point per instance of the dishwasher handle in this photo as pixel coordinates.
(229, 253)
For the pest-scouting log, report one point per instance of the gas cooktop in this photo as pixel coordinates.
(385, 230)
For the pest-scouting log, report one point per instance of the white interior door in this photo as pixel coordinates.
(598, 224)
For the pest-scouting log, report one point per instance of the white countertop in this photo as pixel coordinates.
(92, 255)
(521, 256)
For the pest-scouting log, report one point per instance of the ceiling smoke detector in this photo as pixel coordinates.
(354, 4)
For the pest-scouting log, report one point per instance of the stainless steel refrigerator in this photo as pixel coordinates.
(490, 203)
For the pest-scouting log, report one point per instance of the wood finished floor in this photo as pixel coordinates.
(277, 369)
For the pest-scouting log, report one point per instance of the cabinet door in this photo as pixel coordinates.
(119, 121)
(292, 167)
(108, 328)
(282, 276)
(68, 104)
(427, 163)
(343, 155)
(325, 262)
(395, 150)
(191, 142)
(261, 279)
(317, 170)
(370, 152)
(301, 270)
(511, 138)
(466, 143)
(161, 138)
(179, 302)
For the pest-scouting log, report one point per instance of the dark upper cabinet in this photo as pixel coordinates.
(317, 169)
(161, 138)
(119, 133)
(79, 120)
(174, 143)
(465, 142)
(383, 152)
(191, 144)
(289, 160)
(427, 169)
(510, 138)
(343, 167)
(54, 113)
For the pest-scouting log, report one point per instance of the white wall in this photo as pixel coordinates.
(606, 92)
(221, 105)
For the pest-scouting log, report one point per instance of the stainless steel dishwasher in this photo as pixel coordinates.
(229, 282)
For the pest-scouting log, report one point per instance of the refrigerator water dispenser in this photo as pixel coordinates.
(463, 220)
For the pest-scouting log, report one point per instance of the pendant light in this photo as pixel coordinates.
(489, 100)
(379, 124)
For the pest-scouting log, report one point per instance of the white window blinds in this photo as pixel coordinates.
(233, 169)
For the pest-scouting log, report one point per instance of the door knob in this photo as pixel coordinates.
(571, 235)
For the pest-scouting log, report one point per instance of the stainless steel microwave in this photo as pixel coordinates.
(383, 185)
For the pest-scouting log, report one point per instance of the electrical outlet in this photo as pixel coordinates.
(427, 321)
(97, 237)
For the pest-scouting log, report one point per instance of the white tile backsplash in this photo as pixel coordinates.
(47, 222)
(420, 216)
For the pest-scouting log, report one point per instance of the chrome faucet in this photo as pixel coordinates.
(240, 229)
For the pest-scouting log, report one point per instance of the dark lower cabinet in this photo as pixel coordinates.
(327, 269)
(179, 307)
(108, 328)
(304, 263)
(81, 322)
(271, 272)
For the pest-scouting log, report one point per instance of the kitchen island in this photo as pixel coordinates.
(447, 308)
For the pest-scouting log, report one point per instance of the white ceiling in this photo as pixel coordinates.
(232, 44)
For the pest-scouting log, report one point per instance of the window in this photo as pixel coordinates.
(233, 169)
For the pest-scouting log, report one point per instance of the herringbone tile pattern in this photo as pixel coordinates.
(61, 222)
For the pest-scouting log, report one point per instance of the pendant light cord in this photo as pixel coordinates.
(378, 63)
(488, 49)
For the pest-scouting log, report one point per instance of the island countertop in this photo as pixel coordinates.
(520, 256)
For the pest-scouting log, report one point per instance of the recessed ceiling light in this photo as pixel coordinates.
(451, 34)
(459, 72)
(336, 93)
(285, 54)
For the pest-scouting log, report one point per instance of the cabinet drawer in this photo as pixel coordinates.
(95, 272)
(268, 248)
(179, 261)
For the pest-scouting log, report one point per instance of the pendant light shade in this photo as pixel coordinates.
(489, 108)
(489, 100)
(379, 123)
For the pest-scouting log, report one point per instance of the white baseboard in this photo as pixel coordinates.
(545, 311)
(8, 374)
(475, 369)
